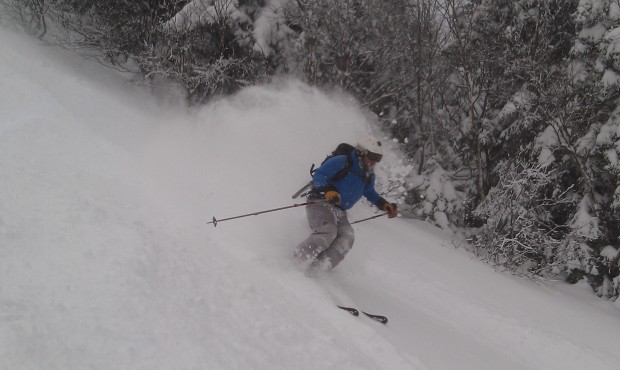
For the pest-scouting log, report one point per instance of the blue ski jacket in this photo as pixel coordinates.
(352, 186)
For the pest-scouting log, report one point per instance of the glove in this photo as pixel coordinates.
(391, 209)
(332, 197)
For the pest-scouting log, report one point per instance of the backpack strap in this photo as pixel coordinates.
(340, 174)
(345, 170)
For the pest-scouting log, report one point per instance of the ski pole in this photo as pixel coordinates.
(369, 218)
(215, 221)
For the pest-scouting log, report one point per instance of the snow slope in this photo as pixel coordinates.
(106, 260)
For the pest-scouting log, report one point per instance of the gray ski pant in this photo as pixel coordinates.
(332, 235)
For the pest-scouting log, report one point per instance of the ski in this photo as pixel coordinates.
(330, 289)
(380, 318)
(350, 310)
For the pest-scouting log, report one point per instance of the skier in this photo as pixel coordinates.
(341, 181)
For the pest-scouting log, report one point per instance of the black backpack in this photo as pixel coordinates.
(341, 149)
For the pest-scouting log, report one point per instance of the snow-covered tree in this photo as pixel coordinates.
(29, 14)
(596, 62)
(517, 231)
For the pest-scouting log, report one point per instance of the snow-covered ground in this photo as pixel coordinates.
(106, 260)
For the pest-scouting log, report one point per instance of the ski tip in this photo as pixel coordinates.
(350, 310)
(379, 318)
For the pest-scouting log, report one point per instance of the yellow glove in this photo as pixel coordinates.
(391, 209)
(332, 197)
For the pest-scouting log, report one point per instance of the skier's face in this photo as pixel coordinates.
(369, 162)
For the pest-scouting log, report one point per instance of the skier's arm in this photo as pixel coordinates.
(376, 199)
(373, 197)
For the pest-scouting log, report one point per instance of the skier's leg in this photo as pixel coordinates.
(322, 221)
(332, 256)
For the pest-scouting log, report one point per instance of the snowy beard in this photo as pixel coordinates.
(366, 167)
(370, 168)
